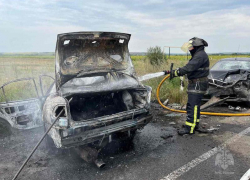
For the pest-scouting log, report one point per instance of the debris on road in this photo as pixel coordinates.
(165, 102)
(237, 108)
(167, 136)
(172, 123)
(173, 115)
(175, 106)
(213, 102)
(204, 124)
(212, 129)
(230, 107)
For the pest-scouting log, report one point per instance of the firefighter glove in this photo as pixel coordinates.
(175, 73)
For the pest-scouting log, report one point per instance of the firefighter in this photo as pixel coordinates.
(197, 70)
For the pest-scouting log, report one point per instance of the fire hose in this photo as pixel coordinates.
(182, 111)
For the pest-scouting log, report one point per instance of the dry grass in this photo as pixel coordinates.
(22, 67)
(13, 67)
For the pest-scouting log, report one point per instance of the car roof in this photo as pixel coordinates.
(238, 59)
(91, 32)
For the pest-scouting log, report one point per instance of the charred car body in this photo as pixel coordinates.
(97, 89)
(24, 113)
(229, 79)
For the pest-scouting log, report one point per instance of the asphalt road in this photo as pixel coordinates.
(150, 157)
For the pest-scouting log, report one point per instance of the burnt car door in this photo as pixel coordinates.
(46, 83)
(20, 103)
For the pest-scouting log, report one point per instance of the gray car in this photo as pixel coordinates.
(229, 79)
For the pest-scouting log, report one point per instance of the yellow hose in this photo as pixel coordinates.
(203, 113)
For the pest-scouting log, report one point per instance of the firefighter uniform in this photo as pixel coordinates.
(197, 70)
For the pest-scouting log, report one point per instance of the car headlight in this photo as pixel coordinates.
(149, 90)
(149, 97)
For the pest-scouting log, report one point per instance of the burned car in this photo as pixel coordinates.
(229, 80)
(97, 89)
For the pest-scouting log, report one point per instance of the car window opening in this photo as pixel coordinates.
(10, 110)
(66, 42)
(121, 41)
(21, 108)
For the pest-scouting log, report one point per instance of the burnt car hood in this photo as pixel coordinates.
(228, 77)
(81, 53)
(96, 84)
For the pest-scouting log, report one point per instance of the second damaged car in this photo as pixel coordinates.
(229, 81)
(98, 92)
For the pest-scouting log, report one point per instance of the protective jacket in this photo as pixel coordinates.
(198, 65)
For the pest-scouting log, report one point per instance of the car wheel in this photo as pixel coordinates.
(49, 141)
(5, 128)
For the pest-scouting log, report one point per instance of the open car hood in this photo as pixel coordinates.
(81, 53)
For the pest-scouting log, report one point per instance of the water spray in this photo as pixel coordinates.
(151, 76)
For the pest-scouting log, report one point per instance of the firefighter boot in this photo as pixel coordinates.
(185, 130)
(199, 129)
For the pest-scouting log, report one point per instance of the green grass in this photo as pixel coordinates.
(22, 67)
(31, 57)
(15, 66)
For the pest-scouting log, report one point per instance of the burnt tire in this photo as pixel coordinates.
(5, 128)
(50, 145)
(49, 141)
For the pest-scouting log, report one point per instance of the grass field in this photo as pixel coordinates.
(14, 67)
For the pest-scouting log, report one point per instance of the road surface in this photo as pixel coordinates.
(157, 153)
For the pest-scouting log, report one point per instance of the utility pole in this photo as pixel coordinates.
(168, 50)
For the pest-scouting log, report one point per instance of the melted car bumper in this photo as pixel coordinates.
(93, 135)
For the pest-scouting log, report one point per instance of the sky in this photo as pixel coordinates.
(33, 25)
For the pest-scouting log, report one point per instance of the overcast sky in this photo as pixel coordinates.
(32, 25)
